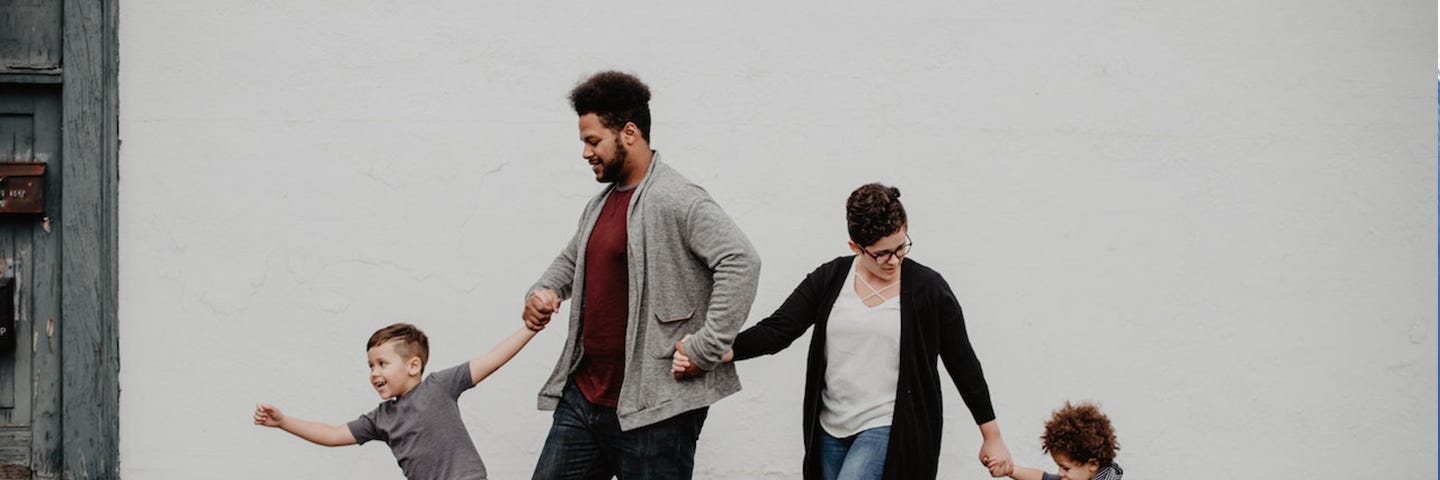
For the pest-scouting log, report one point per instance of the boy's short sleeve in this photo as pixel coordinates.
(454, 380)
(364, 428)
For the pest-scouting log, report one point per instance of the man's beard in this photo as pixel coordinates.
(610, 171)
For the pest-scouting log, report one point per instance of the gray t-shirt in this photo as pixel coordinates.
(424, 430)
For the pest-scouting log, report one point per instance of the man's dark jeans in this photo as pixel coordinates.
(586, 443)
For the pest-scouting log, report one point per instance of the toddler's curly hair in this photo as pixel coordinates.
(1080, 432)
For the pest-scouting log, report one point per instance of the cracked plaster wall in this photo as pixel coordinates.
(1216, 219)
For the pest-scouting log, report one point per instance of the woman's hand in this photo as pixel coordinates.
(994, 455)
(680, 361)
(680, 365)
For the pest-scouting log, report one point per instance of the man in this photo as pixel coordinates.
(654, 259)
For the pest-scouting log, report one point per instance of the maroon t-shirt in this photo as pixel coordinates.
(607, 304)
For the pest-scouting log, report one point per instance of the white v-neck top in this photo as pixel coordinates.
(862, 357)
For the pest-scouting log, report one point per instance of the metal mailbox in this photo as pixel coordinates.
(22, 187)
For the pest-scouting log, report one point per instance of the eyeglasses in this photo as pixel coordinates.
(882, 257)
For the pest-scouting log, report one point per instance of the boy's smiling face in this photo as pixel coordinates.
(391, 375)
(1072, 470)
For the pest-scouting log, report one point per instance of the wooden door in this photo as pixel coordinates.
(58, 93)
(30, 378)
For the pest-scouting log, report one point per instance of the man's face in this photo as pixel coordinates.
(603, 149)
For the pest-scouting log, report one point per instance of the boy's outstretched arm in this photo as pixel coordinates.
(316, 432)
(484, 365)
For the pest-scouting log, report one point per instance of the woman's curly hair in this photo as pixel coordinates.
(873, 212)
(1080, 432)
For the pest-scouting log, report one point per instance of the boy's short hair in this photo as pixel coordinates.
(617, 98)
(873, 212)
(1080, 432)
(411, 342)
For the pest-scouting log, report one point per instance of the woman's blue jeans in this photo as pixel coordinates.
(858, 457)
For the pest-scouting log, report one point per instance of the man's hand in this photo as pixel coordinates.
(996, 457)
(268, 415)
(538, 309)
(680, 365)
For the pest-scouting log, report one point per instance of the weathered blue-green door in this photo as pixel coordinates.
(30, 378)
(59, 350)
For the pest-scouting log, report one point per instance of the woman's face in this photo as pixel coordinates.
(890, 250)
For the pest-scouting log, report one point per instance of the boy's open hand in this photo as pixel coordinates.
(268, 415)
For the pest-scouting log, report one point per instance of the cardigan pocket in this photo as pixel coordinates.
(670, 327)
(672, 318)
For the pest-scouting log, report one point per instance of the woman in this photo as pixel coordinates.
(872, 388)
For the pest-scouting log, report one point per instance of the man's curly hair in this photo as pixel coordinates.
(617, 98)
(411, 342)
(873, 212)
(1080, 432)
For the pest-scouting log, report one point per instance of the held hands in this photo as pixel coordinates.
(680, 365)
(538, 309)
(267, 415)
(996, 457)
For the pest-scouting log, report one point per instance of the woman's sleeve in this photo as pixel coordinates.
(780, 329)
(958, 355)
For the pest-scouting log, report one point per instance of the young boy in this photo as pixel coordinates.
(1081, 441)
(420, 420)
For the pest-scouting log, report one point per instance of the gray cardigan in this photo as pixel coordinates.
(691, 271)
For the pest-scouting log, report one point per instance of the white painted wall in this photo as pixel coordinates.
(1217, 219)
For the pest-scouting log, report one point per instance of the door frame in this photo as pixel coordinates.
(89, 334)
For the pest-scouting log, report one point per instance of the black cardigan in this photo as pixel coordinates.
(931, 325)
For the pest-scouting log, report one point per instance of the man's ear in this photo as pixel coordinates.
(629, 134)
